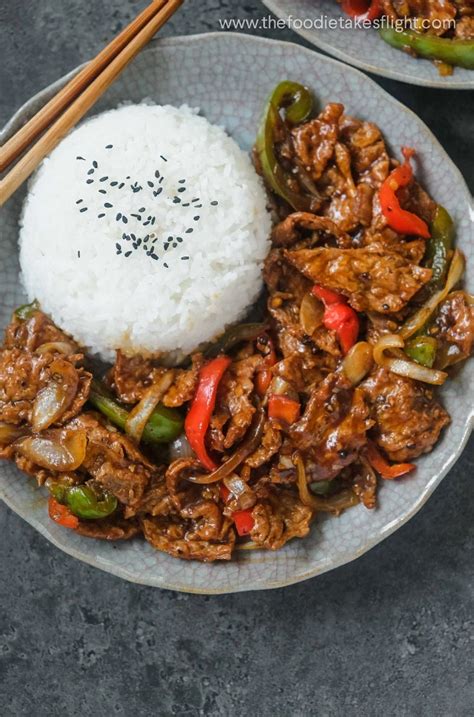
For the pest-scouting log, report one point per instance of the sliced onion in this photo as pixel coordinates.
(180, 448)
(241, 491)
(140, 415)
(311, 314)
(402, 366)
(358, 362)
(64, 452)
(59, 347)
(251, 443)
(335, 504)
(55, 398)
(419, 319)
(9, 433)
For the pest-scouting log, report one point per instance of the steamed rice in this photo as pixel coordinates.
(140, 176)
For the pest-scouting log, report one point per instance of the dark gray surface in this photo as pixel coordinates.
(390, 634)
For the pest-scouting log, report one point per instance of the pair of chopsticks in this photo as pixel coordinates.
(71, 103)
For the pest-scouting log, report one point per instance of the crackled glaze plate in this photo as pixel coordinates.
(363, 48)
(212, 72)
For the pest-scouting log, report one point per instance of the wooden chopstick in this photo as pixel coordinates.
(12, 149)
(28, 163)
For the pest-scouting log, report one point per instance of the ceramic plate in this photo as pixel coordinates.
(363, 48)
(212, 72)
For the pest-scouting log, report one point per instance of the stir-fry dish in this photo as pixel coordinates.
(304, 412)
(439, 30)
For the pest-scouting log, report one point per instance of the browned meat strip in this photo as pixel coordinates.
(24, 379)
(114, 461)
(169, 536)
(132, 376)
(269, 446)
(280, 518)
(35, 332)
(234, 408)
(333, 427)
(289, 231)
(454, 326)
(371, 280)
(314, 141)
(408, 421)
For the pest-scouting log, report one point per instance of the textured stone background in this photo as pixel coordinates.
(390, 634)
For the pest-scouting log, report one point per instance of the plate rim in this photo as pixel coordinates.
(273, 6)
(383, 533)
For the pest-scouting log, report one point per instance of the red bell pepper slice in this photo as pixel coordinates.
(399, 219)
(363, 9)
(338, 316)
(244, 521)
(343, 320)
(199, 415)
(387, 471)
(224, 493)
(264, 376)
(283, 408)
(61, 514)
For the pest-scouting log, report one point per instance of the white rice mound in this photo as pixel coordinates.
(84, 224)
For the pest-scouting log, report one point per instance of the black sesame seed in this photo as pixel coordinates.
(160, 180)
(182, 189)
(184, 258)
(214, 204)
(83, 159)
(186, 204)
(196, 218)
(165, 265)
(83, 209)
(91, 171)
(125, 220)
(109, 146)
(163, 158)
(157, 173)
(137, 216)
(179, 239)
(176, 200)
(142, 209)
(127, 177)
(121, 185)
(108, 205)
(189, 231)
(127, 253)
(102, 191)
(79, 201)
(89, 181)
(150, 184)
(94, 164)
(103, 179)
(113, 184)
(99, 216)
(174, 245)
(118, 217)
(78, 254)
(154, 256)
(158, 191)
(196, 199)
(181, 181)
(198, 206)
(165, 247)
